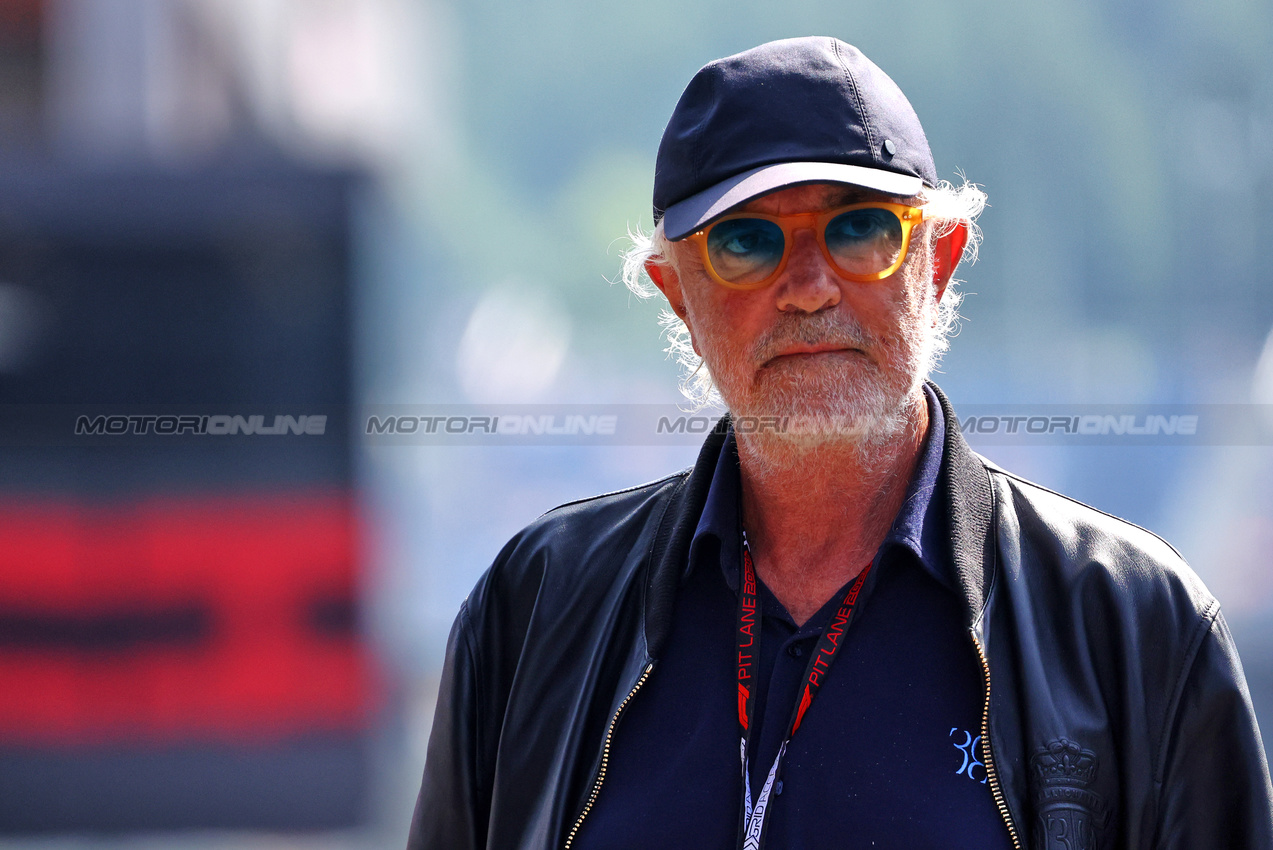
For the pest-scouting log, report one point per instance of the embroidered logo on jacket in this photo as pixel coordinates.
(1070, 815)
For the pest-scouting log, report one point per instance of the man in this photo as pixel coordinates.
(846, 630)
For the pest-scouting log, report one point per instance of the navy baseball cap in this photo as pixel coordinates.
(786, 113)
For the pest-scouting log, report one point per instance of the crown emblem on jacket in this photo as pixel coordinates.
(1070, 815)
(1064, 762)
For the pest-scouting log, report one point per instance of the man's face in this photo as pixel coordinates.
(845, 356)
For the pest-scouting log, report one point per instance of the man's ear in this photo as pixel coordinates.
(655, 271)
(669, 284)
(949, 250)
(666, 279)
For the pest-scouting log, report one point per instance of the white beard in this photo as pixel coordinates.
(829, 404)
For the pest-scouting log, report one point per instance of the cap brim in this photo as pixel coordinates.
(683, 218)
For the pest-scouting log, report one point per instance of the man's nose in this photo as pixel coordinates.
(808, 283)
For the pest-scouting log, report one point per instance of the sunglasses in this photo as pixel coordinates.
(862, 242)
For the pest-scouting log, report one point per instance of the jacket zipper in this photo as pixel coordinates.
(605, 756)
(995, 788)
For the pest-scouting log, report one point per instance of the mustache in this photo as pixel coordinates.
(835, 328)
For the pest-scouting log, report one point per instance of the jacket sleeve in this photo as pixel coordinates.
(451, 811)
(1214, 786)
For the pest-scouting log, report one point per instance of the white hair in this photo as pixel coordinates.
(946, 205)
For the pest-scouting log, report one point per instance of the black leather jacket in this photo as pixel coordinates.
(1116, 712)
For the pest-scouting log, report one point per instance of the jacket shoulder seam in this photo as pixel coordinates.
(649, 485)
(1205, 623)
(994, 469)
(471, 648)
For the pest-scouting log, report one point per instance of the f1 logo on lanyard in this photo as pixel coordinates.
(751, 832)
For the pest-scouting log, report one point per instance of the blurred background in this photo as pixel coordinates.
(296, 207)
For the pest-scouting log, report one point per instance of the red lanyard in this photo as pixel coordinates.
(752, 829)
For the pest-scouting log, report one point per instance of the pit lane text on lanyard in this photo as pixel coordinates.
(753, 820)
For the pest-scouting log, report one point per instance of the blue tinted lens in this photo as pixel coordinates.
(865, 241)
(744, 250)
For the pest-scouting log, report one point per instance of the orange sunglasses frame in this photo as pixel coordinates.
(908, 216)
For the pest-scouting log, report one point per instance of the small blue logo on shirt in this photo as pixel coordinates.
(968, 749)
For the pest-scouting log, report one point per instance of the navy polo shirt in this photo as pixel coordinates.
(887, 756)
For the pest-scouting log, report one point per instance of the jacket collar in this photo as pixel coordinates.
(962, 483)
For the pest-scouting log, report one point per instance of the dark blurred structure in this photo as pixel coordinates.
(180, 643)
